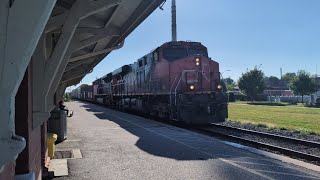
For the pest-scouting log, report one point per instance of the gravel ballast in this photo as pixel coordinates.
(283, 132)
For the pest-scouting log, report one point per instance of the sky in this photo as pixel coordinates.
(239, 35)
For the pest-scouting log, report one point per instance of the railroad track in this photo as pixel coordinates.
(227, 132)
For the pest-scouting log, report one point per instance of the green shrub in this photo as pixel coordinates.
(66, 97)
(318, 103)
(293, 103)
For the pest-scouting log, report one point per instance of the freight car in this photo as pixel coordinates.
(177, 81)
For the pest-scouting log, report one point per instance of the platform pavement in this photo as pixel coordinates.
(115, 145)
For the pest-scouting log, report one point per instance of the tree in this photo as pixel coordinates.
(252, 83)
(230, 87)
(303, 84)
(289, 77)
(228, 80)
(230, 84)
(273, 79)
(66, 97)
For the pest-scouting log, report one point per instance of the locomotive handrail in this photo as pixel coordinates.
(172, 86)
(175, 90)
(174, 81)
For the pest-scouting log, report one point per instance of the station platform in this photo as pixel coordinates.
(115, 145)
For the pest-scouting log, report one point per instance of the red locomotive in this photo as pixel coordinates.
(177, 81)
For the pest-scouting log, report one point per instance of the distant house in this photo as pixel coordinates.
(276, 87)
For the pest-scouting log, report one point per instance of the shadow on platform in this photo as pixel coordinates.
(150, 140)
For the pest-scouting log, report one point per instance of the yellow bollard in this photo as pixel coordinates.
(51, 146)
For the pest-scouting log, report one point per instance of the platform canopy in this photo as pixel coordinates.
(63, 40)
(78, 35)
(97, 33)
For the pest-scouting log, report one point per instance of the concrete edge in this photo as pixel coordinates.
(282, 158)
(76, 154)
(59, 167)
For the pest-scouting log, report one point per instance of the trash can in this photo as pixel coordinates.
(51, 146)
(57, 124)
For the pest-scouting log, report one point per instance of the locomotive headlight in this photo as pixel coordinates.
(192, 87)
(219, 87)
(197, 61)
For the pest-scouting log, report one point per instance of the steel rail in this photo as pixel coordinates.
(282, 150)
(269, 135)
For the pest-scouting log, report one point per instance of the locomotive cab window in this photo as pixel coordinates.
(175, 53)
(194, 52)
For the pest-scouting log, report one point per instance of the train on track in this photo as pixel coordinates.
(176, 81)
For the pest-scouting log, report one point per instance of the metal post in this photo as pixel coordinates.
(174, 21)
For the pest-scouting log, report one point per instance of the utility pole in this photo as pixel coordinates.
(174, 21)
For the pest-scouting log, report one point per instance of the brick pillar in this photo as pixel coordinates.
(29, 160)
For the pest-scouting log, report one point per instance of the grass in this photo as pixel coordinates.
(304, 120)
